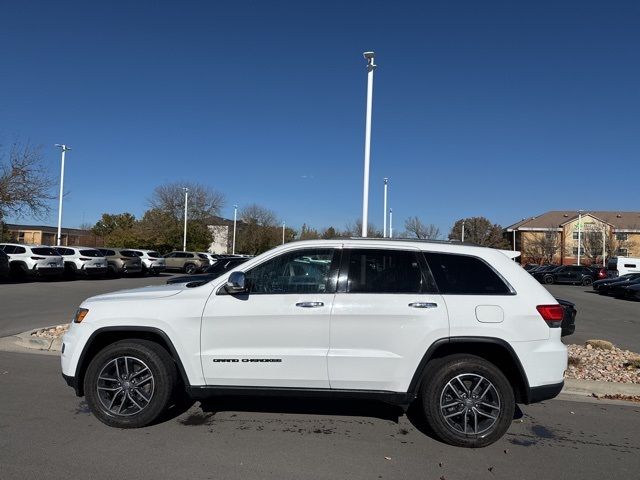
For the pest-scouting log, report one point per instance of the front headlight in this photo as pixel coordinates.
(80, 314)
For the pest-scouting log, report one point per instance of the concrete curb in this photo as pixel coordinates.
(26, 340)
(590, 387)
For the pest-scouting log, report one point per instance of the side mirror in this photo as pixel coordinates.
(236, 283)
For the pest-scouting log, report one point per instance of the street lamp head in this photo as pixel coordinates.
(368, 55)
(63, 146)
(386, 180)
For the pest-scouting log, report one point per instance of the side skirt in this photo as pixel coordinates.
(394, 398)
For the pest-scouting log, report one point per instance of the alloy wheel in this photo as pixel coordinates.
(470, 404)
(125, 386)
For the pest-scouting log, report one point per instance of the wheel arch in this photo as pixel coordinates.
(105, 336)
(492, 349)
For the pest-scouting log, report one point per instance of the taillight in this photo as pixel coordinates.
(552, 314)
(38, 258)
(85, 259)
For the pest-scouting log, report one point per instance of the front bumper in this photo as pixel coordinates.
(544, 392)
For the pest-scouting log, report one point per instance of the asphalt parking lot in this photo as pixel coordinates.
(45, 431)
(602, 317)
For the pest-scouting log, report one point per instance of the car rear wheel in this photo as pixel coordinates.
(587, 281)
(130, 383)
(189, 268)
(467, 401)
(548, 279)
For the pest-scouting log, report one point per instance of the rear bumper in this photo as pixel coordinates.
(48, 271)
(94, 271)
(544, 392)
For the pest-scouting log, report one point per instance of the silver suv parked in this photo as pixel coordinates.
(187, 262)
(83, 261)
(35, 260)
(121, 261)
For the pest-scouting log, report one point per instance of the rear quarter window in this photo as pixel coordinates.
(464, 275)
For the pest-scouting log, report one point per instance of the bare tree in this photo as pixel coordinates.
(204, 202)
(542, 247)
(592, 242)
(415, 228)
(258, 230)
(25, 184)
(355, 230)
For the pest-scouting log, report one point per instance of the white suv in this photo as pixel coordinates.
(35, 260)
(462, 330)
(152, 262)
(83, 261)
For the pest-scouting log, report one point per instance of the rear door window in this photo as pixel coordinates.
(464, 275)
(154, 255)
(9, 249)
(90, 253)
(128, 253)
(386, 271)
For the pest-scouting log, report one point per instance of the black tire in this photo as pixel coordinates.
(434, 389)
(162, 383)
(587, 281)
(548, 280)
(190, 268)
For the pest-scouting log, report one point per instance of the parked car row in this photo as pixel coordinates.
(625, 286)
(41, 261)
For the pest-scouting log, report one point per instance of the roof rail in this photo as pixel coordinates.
(421, 240)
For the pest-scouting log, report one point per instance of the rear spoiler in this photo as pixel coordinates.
(512, 254)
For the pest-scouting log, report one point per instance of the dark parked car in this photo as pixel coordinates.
(568, 325)
(603, 286)
(214, 271)
(573, 274)
(4, 265)
(620, 290)
(632, 291)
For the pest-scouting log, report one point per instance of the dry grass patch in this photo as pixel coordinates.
(599, 344)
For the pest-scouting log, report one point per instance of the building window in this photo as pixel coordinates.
(550, 235)
(20, 237)
(575, 235)
(622, 252)
(622, 237)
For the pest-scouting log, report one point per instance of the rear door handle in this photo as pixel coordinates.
(423, 305)
(310, 304)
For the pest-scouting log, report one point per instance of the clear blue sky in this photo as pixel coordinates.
(502, 109)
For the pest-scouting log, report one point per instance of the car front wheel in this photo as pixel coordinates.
(189, 268)
(467, 401)
(130, 383)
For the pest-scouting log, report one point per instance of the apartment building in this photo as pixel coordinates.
(552, 237)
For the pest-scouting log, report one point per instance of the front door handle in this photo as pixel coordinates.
(423, 305)
(310, 304)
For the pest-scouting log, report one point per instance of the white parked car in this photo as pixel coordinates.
(153, 262)
(33, 260)
(83, 261)
(463, 331)
(208, 256)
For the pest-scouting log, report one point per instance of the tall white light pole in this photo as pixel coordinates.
(186, 201)
(235, 220)
(369, 56)
(391, 223)
(63, 149)
(384, 222)
(579, 234)
(283, 232)
(462, 237)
